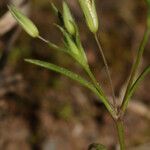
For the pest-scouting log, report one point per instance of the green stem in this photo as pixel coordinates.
(42, 39)
(120, 131)
(99, 90)
(101, 94)
(94, 80)
(134, 70)
(52, 45)
(107, 69)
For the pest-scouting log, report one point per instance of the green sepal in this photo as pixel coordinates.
(69, 41)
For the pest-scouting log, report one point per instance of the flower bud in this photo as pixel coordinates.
(68, 19)
(24, 22)
(89, 10)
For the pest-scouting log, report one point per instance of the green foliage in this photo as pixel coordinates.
(63, 71)
(139, 79)
(69, 42)
(73, 46)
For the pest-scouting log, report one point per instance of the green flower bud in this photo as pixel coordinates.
(68, 19)
(89, 10)
(24, 22)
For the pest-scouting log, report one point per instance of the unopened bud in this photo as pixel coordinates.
(89, 9)
(68, 19)
(24, 22)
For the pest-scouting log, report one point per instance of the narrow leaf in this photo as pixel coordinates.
(63, 71)
(78, 42)
(72, 76)
(69, 41)
(139, 79)
(54, 8)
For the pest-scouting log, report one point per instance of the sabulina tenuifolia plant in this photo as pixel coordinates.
(73, 47)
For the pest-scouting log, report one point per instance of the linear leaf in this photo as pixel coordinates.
(75, 77)
(139, 79)
(63, 71)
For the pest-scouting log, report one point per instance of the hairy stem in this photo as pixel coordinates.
(120, 131)
(107, 69)
(135, 69)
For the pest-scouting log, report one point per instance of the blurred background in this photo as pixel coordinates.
(42, 110)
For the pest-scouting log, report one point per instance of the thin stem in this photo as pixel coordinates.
(52, 45)
(135, 69)
(120, 131)
(42, 39)
(94, 81)
(101, 94)
(107, 70)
